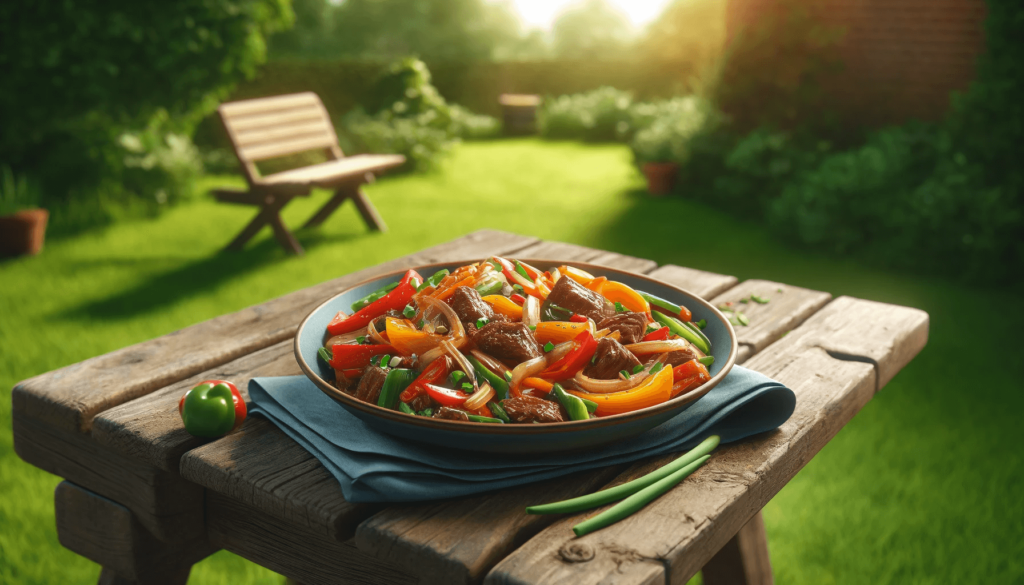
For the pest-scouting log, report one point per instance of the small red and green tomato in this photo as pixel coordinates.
(212, 409)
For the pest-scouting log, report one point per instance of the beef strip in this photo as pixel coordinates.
(421, 402)
(370, 384)
(610, 359)
(528, 409)
(571, 295)
(450, 414)
(680, 356)
(631, 326)
(512, 343)
(468, 305)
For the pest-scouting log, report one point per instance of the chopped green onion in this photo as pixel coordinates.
(481, 322)
(325, 354)
(361, 339)
(508, 376)
(409, 312)
(403, 407)
(624, 374)
(744, 301)
(638, 368)
(707, 360)
(422, 323)
(657, 368)
(428, 412)
(533, 327)
(702, 323)
(467, 387)
(619, 308)
(521, 270)
(385, 359)
(518, 288)
(484, 419)
(593, 360)
(433, 280)
(456, 377)
(374, 296)
(549, 346)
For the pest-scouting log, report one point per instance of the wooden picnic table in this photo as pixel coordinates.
(146, 500)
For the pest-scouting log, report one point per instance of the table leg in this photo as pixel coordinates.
(107, 533)
(743, 560)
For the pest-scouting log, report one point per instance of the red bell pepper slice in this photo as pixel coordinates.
(574, 361)
(688, 376)
(517, 299)
(396, 300)
(659, 335)
(446, 396)
(436, 371)
(348, 357)
(577, 318)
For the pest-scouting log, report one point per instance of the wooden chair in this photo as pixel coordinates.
(267, 128)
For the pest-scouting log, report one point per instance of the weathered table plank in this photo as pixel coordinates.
(307, 557)
(672, 538)
(458, 541)
(706, 285)
(787, 307)
(70, 397)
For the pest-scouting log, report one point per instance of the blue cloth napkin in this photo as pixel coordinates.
(376, 467)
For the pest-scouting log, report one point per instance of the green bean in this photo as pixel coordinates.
(403, 407)
(484, 419)
(573, 404)
(636, 501)
(707, 360)
(620, 491)
(590, 404)
(499, 412)
(676, 326)
(693, 327)
(660, 302)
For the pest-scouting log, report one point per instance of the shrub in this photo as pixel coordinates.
(599, 115)
(667, 128)
(469, 126)
(16, 192)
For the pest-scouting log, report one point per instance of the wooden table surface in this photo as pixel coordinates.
(145, 499)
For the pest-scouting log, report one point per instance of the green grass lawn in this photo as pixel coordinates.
(923, 486)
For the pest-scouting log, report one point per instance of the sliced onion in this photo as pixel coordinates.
(490, 363)
(560, 351)
(618, 384)
(461, 360)
(527, 369)
(480, 397)
(344, 338)
(458, 332)
(555, 275)
(521, 280)
(531, 311)
(665, 346)
(371, 331)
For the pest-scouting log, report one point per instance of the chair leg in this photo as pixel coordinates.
(743, 560)
(285, 237)
(367, 210)
(271, 207)
(334, 203)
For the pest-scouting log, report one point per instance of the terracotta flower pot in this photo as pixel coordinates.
(661, 177)
(23, 232)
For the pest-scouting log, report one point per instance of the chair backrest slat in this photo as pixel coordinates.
(277, 126)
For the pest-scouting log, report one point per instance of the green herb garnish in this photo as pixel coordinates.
(638, 368)
(758, 299)
(409, 312)
(467, 387)
(619, 308)
(518, 289)
(508, 376)
(533, 327)
(624, 374)
(549, 346)
(456, 377)
(422, 323)
(657, 368)
(702, 323)
(521, 270)
(481, 322)
(384, 359)
(325, 354)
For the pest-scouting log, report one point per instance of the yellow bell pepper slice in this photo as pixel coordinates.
(559, 331)
(581, 276)
(407, 339)
(617, 292)
(654, 390)
(505, 306)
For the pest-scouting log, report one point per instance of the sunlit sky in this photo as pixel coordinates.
(542, 13)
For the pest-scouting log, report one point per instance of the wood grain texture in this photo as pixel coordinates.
(563, 251)
(149, 428)
(743, 560)
(70, 397)
(787, 307)
(305, 556)
(259, 466)
(458, 541)
(674, 536)
(107, 533)
(167, 506)
(703, 284)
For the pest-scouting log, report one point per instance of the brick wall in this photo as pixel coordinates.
(900, 58)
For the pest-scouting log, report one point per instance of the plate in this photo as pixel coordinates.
(511, 438)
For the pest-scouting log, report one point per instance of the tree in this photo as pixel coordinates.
(592, 30)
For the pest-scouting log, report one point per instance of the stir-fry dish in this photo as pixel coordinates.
(500, 341)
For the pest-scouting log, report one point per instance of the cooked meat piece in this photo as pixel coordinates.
(512, 343)
(631, 326)
(681, 356)
(528, 409)
(571, 295)
(468, 305)
(421, 402)
(610, 359)
(342, 383)
(450, 414)
(370, 384)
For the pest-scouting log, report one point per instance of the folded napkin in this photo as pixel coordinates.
(376, 467)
